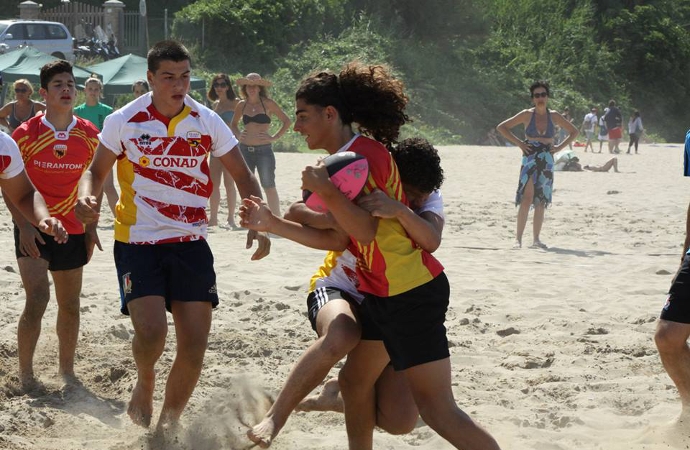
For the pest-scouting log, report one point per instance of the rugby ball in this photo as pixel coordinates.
(348, 171)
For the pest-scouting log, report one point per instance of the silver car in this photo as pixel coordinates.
(52, 38)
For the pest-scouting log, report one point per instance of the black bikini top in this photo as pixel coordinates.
(259, 118)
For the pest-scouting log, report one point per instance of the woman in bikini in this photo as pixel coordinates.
(255, 109)
(536, 174)
(225, 101)
(22, 109)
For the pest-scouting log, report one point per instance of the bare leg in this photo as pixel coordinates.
(192, 326)
(216, 169)
(150, 329)
(110, 191)
(357, 379)
(67, 290)
(273, 201)
(431, 388)
(34, 273)
(231, 194)
(396, 411)
(671, 341)
(339, 333)
(523, 211)
(537, 222)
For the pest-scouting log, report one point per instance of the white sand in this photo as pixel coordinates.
(579, 371)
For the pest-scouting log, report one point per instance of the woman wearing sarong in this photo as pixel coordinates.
(535, 185)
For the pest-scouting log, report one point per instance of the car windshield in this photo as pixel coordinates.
(3, 27)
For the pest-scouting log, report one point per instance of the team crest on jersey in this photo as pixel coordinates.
(60, 151)
(193, 138)
(127, 283)
(144, 140)
(61, 135)
(144, 161)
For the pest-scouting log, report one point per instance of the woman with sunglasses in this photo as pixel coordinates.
(22, 109)
(255, 111)
(224, 102)
(536, 174)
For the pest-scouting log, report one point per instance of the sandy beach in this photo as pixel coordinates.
(551, 349)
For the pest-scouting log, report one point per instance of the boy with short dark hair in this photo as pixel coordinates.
(57, 148)
(161, 143)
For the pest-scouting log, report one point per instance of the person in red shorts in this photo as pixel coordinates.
(614, 123)
(57, 147)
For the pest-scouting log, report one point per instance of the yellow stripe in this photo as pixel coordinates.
(177, 119)
(124, 221)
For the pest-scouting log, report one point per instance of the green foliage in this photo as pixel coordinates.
(467, 64)
(251, 35)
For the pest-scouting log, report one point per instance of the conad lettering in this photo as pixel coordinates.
(169, 161)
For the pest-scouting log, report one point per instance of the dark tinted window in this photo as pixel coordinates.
(35, 31)
(17, 31)
(56, 32)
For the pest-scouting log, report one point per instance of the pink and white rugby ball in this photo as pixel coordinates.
(348, 171)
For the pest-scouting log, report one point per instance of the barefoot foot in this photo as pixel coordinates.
(263, 433)
(140, 407)
(328, 400)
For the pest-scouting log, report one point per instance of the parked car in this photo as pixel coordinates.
(52, 38)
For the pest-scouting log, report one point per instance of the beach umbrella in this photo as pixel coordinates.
(120, 73)
(26, 63)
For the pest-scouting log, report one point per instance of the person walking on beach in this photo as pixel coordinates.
(614, 121)
(673, 328)
(95, 112)
(224, 103)
(160, 142)
(635, 130)
(536, 173)
(603, 131)
(57, 148)
(406, 293)
(589, 125)
(333, 299)
(255, 110)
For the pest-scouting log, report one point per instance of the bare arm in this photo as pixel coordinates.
(4, 112)
(248, 186)
(90, 191)
(564, 123)
(234, 125)
(425, 229)
(356, 221)
(27, 207)
(275, 109)
(506, 127)
(299, 212)
(256, 215)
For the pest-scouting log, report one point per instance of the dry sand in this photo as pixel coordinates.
(551, 350)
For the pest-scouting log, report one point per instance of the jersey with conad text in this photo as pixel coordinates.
(55, 161)
(163, 169)
(11, 163)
